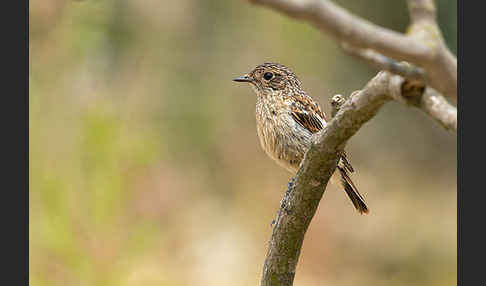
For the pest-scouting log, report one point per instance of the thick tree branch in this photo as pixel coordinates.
(304, 194)
(422, 46)
(301, 200)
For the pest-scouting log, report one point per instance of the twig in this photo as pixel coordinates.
(336, 102)
(385, 63)
(421, 10)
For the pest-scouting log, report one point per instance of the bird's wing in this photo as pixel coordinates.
(307, 120)
(307, 113)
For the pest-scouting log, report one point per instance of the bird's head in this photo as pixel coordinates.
(269, 78)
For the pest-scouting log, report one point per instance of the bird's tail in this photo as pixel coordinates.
(351, 189)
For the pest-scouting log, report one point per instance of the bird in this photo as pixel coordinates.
(286, 119)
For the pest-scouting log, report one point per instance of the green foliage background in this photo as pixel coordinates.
(145, 167)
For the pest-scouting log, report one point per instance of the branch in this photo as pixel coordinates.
(442, 68)
(431, 63)
(421, 10)
(422, 46)
(428, 100)
(437, 107)
(336, 102)
(385, 63)
(434, 105)
(358, 32)
(301, 200)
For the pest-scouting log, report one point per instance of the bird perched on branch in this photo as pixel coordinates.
(286, 119)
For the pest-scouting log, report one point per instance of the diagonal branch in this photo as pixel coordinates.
(435, 106)
(304, 194)
(385, 63)
(301, 200)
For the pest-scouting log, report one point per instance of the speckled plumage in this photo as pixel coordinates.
(286, 119)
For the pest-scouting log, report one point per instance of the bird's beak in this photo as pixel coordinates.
(244, 78)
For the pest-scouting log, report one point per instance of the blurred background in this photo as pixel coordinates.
(145, 166)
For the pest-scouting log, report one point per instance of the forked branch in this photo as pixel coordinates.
(423, 68)
(301, 200)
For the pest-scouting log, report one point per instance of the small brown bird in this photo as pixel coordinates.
(286, 119)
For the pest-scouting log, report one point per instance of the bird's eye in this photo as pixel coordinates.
(268, 75)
